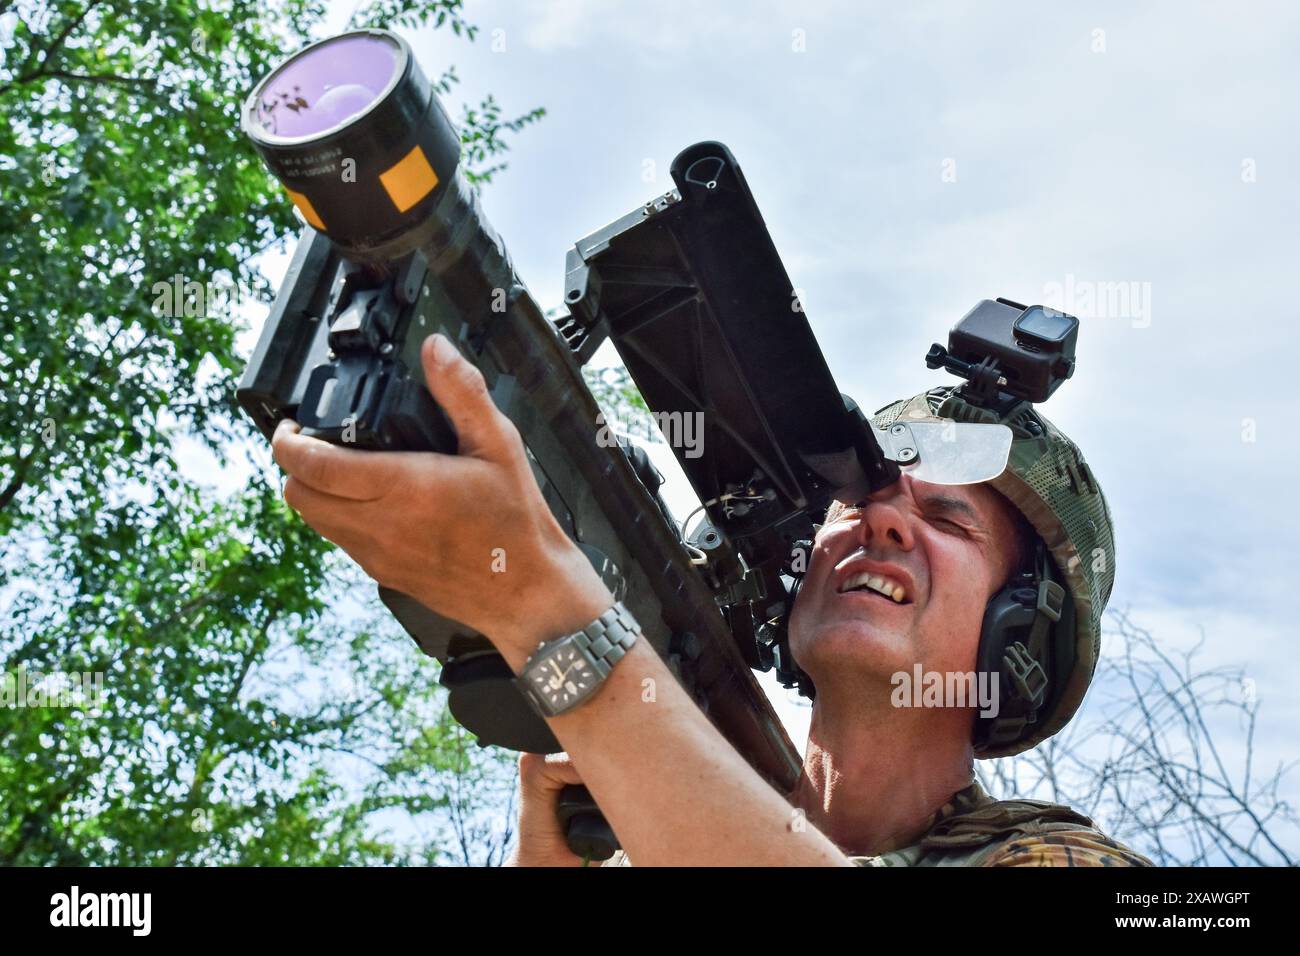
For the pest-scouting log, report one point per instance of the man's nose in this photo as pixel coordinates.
(885, 516)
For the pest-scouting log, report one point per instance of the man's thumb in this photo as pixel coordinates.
(458, 387)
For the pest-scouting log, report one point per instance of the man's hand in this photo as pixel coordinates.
(468, 535)
(434, 526)
(541, 838)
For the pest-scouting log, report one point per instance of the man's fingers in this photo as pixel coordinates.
(341, 472)
(547, 771)
(313, 504)
(458, 387)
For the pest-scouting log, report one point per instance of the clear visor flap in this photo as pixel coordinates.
(948, 452)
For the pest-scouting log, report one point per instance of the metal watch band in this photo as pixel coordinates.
(608, 637)
(602, 644)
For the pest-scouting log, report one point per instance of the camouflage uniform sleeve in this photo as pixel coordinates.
(1067, 848)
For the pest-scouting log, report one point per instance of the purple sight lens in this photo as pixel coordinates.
(327, 86)
(353, 130)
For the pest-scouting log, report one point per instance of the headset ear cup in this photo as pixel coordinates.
(795, 568)
(1008, 617)
(788, 672)
(789, 604)
(992, 647)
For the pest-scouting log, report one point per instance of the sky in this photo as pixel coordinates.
(1138, 167)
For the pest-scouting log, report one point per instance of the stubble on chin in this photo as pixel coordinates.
(861, 652)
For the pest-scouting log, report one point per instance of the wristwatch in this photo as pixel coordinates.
(564, 673)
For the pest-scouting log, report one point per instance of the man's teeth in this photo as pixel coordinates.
(889, 588)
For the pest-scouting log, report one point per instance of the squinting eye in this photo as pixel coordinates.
(951, 524)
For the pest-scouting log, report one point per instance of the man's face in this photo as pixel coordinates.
(949, 548)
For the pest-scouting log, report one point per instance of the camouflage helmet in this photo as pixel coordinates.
(1047, 480)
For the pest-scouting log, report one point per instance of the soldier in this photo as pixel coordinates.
(912, 576)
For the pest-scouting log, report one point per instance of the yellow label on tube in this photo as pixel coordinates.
(409, 180)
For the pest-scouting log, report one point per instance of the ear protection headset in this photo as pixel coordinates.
(1016, 648)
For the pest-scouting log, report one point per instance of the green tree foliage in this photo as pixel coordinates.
(258, 707)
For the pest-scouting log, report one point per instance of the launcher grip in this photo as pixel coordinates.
(586, 831)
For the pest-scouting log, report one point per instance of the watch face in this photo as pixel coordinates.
(562, 677)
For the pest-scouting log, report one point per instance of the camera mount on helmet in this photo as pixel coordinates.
(1009, 353)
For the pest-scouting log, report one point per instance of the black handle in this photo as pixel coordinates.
(585, 829)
